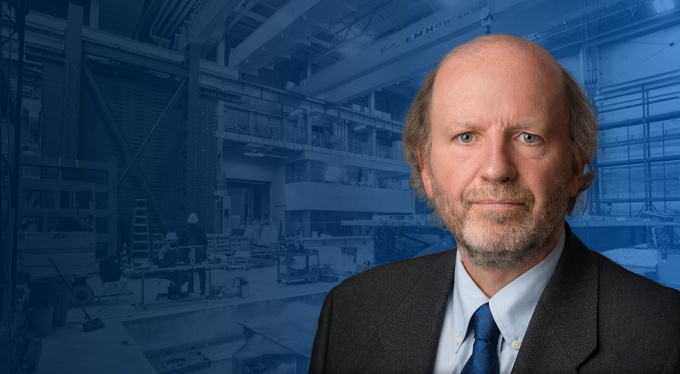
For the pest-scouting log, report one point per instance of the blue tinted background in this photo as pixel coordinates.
(278, 123)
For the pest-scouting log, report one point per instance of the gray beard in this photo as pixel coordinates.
(523, 240)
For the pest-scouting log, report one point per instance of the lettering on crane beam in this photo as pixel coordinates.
(435, 26)
(417, 35)
(426, 30)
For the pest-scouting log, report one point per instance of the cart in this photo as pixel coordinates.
(308, 273)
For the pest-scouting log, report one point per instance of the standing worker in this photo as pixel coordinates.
(193, 235)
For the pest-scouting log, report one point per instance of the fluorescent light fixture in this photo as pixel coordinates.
(658, 6)
(253, 154)
(661, 6)
(359, 127)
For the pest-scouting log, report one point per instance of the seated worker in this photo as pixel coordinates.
(167, 257)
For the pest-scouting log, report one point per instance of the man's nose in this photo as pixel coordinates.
(497, 162)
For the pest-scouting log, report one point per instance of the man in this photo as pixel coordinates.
(193, 235)
(498, 139)
(167, 255)
(167, 258)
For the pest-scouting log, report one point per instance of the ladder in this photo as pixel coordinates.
(140, 251)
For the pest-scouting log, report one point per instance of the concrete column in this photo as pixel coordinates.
(277, 194)
(94, 14)
(371, 103)
(221, 52)
(306, 224)
(372, 143)
(201, 148)
(345, 135)
(309, 128)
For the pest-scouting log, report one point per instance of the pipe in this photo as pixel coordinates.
(177, 19)
(152, 28)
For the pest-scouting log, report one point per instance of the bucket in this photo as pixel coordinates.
(40, 319)
(52, 291)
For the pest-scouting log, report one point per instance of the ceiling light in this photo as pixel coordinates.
(658, 6)
(661, 6)
(253, 154)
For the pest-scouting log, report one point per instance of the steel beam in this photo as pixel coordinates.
(420, 46)
(271, 29)
(107, 45)
(168, 67)
(401, 90)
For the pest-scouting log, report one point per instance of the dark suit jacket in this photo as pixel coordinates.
(593, 317)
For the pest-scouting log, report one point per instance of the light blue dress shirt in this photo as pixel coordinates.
(511, 307)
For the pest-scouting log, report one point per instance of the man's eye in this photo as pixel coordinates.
(465, 137)
(529, 138)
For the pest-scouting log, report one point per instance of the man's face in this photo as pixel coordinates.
(500, 172)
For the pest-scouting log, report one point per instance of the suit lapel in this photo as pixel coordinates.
(410, 335)
(562, 332)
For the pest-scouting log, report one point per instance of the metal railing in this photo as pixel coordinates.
(383, 151)
(358, 147)
(288, 132)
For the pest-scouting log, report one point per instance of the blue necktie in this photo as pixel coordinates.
(484, 358)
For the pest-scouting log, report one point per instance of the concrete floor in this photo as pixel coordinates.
(111, 349)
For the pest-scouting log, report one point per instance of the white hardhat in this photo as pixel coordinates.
(171, 236)
(193, 218)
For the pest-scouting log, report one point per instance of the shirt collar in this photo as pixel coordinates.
(511, 307)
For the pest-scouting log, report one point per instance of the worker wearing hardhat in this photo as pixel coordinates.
(194, 236)
(192, 219)
(167, 258)
(170, 244)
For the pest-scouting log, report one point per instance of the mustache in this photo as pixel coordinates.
(501, 192)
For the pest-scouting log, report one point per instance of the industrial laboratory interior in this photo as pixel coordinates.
(183, 181)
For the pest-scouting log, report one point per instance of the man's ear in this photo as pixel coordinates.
(576, 177)
(425, 172)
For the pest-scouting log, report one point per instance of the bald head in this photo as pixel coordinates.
(495, 46)
(505, 57)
